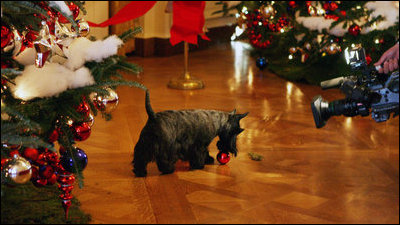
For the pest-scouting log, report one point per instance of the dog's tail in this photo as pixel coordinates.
(149, 110)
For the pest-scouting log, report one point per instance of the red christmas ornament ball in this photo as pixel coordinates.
(292, 4)
(31, 153)
(223, 158)
(368, 59)
(333, 6)
(46, 172)
(54, 135)
(354, 30)
(52, 180)
(326, 6)
(83, 109)
(4, 162)
(6, 36)
(81, 131)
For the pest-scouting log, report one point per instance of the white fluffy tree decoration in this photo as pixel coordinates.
(54, 78)
(48, 81)
(388, 9)
(82, 50)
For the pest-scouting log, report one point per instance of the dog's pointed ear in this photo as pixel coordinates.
(241, 116)
(233, 112)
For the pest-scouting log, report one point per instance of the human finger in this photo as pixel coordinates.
(386, 67)
(382, 59)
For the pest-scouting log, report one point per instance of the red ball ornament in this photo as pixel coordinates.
(31, 154)
(52, 180)
(83, 109)
(54, 135)
(46, 172)
(333, 6)
(4, 162)
(354, 30)
(368, 59)
(343, 13)
(81, 131)
(223, 158)
(41, 160)
(326, 6)
(292, 4)
(6, 36)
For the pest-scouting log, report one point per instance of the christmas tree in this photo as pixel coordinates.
(54, 80)
(304, 40)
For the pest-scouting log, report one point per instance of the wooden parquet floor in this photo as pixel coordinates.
(346, 172)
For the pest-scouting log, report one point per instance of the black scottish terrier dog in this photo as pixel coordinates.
(185, 134)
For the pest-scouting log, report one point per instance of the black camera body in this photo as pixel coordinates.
(369, 93)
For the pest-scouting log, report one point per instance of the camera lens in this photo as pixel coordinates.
(320, 110)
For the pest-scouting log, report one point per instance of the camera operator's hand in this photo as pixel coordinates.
(390, 60)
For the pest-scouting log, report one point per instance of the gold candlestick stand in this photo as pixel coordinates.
(186, 82)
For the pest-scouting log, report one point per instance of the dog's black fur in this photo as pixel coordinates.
(184, 134)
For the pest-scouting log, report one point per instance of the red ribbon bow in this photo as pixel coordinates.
(188, 19)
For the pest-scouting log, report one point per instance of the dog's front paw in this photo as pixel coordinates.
(140, 173)
(209, 160)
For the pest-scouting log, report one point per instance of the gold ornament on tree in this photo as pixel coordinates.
(268, 11)
(333, 49)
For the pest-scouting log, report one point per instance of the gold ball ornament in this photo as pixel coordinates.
(268, 11)
(333, 49)
(18, 170)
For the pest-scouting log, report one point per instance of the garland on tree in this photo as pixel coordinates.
(54, 81)
(304, 40)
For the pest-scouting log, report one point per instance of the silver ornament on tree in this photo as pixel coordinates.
(106, 103)
(43, 45)
(18, 170)
(83, 27)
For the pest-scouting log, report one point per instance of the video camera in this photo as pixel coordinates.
(370, 92)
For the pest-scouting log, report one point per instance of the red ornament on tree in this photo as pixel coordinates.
(223, 158)
(292, 4)
(31, 154)
(354, 30)
(66, 181)
(368, 59)
(333, 6)
(6, 36)
(54, 135)
(81, 131)
(83, 109)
